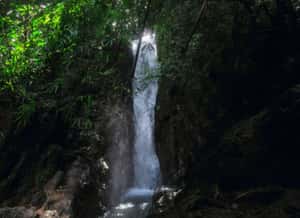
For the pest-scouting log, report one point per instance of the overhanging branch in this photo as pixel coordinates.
(140, 37)
(201, 13)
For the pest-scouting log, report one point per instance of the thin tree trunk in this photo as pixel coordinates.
(140, 37)
(186, 47)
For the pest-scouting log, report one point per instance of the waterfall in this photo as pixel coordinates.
(145, 87)
(136, 201)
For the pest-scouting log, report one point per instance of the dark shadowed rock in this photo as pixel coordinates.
(17, 212)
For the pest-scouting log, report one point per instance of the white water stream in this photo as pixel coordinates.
(145, 87)
(146, 172)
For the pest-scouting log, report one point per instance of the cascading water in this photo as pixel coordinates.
(135, 201)
(145, 87)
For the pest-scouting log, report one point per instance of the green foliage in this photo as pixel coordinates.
(77, 112)
(56, 86)
(31, 33)
(64, 53)
(27, 32)
(82, 123)
(86, 105)
(25, 113)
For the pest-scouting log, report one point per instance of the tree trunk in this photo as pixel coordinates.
(140, 38)
(202, 10)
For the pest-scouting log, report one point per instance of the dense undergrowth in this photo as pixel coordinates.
(57, 55)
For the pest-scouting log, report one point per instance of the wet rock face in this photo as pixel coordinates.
(259, 149)
(240, 170)
(178, 132)
(61, 191)
(163, 201)
(262, 149)
(265, 202)
(119, 131)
